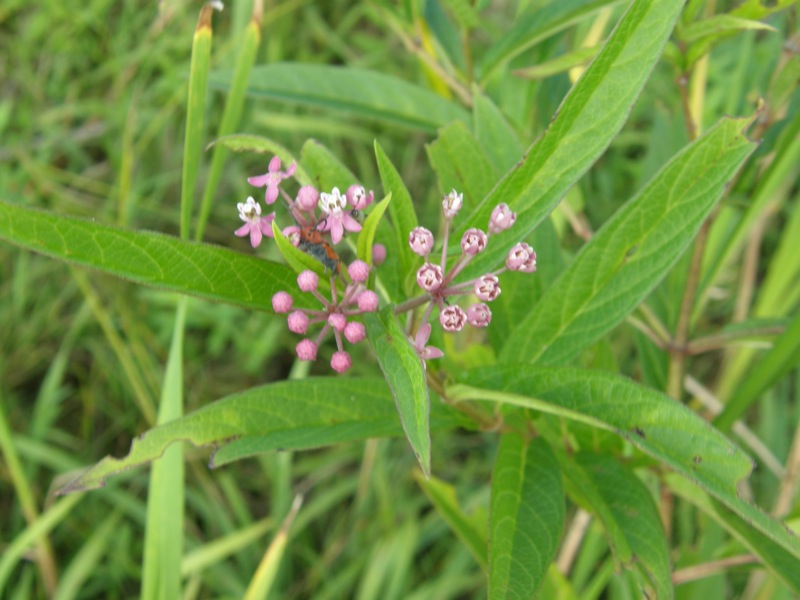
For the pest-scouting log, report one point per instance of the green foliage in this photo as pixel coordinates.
(627, 424)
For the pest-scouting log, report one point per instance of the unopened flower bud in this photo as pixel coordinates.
(358, 198)
(451, 204)
(308, 281)
(502, 218)
(338, 321)
(521, 258)
(421, 241)
(307, 198)
(473, 242)
(355, 332)
(378, 254)
(282, 302)
(429, 277)
(487, 287)
(341, 361)
(306, 350)
(298, 322)
(452, 318)
(358, 271)
(479, 315)
(368, 301)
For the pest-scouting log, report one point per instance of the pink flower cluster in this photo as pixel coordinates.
(438, 283)
(337, 211)
(336, 314)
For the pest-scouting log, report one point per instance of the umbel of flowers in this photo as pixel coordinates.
(320, 222)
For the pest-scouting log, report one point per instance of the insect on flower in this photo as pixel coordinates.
(313, 243)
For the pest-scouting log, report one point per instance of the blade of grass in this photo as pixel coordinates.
(232, 114)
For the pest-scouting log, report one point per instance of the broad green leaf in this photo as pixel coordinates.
(288, 415)
(401, 210)
(357, 91)
(297, 259)
(148, 258)
(248, 142)
(494, 133)
(470, 529)
(367, 235)
(633, 251)
(405, 373)
(773, 366)
(717, 26)
(774, 555)
(557, 65)
(636, 515)
(537, 24)
(460, 164)
(527, 517)
(656, 424)
(587, 121)
(327, 171)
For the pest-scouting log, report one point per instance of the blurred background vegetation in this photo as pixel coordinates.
(92, 111)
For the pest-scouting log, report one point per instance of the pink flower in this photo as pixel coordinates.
(502, 218)
(338, 321)
(521, 258)
(420, 344)
(452, 318)
(421, 241)
(487, 287)
(479, 315)
(473, 242)
(358, 197)
(306, 350)
(430, 277)
(272, 178)
(337, 219)
(451, 204)
(254, 224)
(282, 302)
(341, 361)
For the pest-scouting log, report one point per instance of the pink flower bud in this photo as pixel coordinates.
(451, 204)
(358, 198)
(452, 318)
(521, 258)
(502, 218)
(479, 315)
(421, 241)
(307, 198)
(341, 361)
(306, 350)
(473, 242)
(487, 288)
(429, 277)
(338, 321)
(282, 302)
(358, 271)
(308, 281)
(298, 322)
(355, 332)
(378, 254)
(368, 301)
